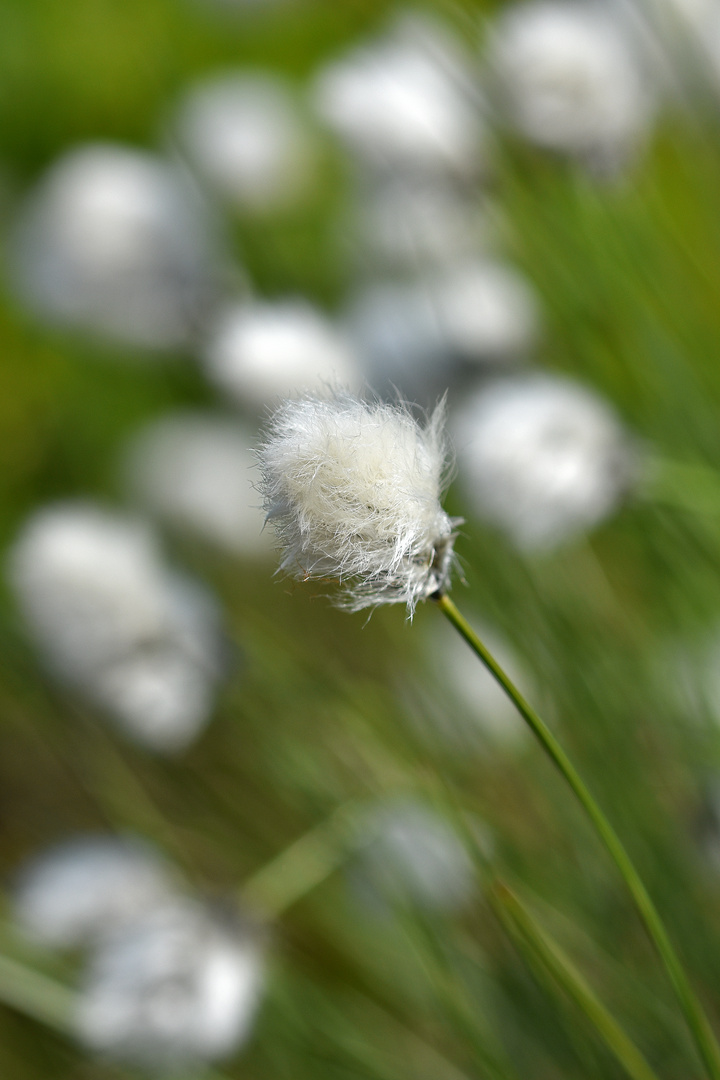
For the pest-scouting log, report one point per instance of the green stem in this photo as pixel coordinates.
(36, 995)
(695, 1017)
(686, 486)
(524, 928)
(307, 862)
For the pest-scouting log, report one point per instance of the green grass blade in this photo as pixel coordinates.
(526, 931)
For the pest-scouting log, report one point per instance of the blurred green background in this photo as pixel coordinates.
(322, 708)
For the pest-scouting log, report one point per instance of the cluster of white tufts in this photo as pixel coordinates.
(408, 108)
(409, 854)
(259, 352)
(353, 491)
(112, 621)
(116, 242)
(123, 244)
(245, 135)
(119, 242)
(197, 471)
(565, 76)
(170, 984)
(542, 457)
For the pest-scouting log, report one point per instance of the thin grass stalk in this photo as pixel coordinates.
(303, 865)
(693, 1012)
(36, 995)
(526, 932)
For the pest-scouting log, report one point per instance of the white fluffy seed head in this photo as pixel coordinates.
(353, 489)
(567, 78)
(259, 352)
(175, 988)
(411, 856)
(543, 457)
(195, 470)
(244, 132)
(114, 622)
(406, 101)
(84, 888)
(118, 244)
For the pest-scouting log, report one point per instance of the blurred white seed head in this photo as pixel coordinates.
(110, 619)
(566, 77)
(680, 43)
(163, 694)
(85, 888)
(543, 457)
(398, 337)
(486, 309)
(172, 989)
(407, 100)
(410, 334)
(90, 585)
(353, 490)
(197, 470)
(675, 23)
(709, 50)
(259, 352)
(244, 133)
(405, 221)
(411, 855)
(114, 241)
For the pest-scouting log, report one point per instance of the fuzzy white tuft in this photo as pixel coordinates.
(175, 988)
(568, 78)
(353, 489)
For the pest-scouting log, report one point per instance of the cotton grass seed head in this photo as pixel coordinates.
(353, 489)
(84, 888)
(171, 990)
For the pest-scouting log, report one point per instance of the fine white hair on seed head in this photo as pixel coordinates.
(353, 489)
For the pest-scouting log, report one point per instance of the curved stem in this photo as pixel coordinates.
(695, 1017)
